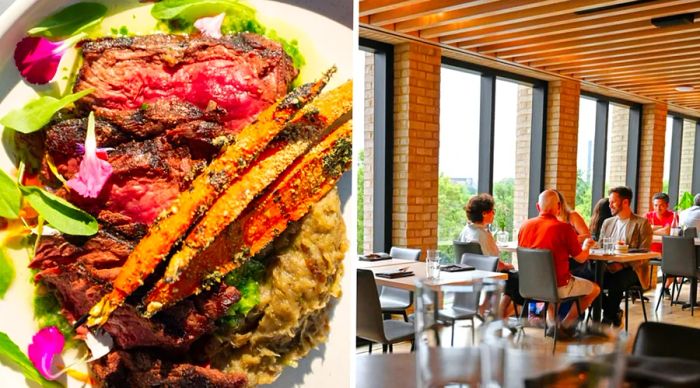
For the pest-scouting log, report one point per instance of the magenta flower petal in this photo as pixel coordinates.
(46, 344)
(37, 58)
(210, 26)
(94, 171)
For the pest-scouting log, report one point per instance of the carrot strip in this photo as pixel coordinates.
(192, 204)
(301, 133)
(288, 199)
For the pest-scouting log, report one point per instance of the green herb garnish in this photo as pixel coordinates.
(10, 355)
(70, 20)
(59, 213)
(10, 197)
(37, 113)
(47, 312)
(246, 279)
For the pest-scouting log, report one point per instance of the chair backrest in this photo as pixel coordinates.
(679, 256)
(659, 339)
(481, 262)
(370, 324)
(462, 247)
(405, 253)
(690, 232)
(538, 279)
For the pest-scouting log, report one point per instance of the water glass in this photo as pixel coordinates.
(432, 265)
(608, 245)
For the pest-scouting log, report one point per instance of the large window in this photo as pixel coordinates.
(372, 145)
(584, 157)
(667, 153)
(459, 150)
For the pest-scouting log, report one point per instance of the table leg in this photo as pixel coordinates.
(598, 302)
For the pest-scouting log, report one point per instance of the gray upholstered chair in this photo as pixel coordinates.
(394, 300)
(658, 339)
(466, 247)
(371, 326)
(690, 232)
(678, 261)
(538, 282)
(465, 304)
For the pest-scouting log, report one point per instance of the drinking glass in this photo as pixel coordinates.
(432, 264)
(445, 357)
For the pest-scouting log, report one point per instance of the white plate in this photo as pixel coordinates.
(323, 43)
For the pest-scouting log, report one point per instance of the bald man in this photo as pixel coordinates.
(547, 232)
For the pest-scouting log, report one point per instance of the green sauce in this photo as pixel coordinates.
(47, 312)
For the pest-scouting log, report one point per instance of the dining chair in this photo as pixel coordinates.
(371, 325)
(538, 282)
(394, 300)
(678, 261)
(658, 339)
(462, 247)
(690, 232)
(636, 292)
(465, 304)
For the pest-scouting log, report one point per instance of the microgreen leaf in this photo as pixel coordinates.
(37, 113)
(70, 20)
(7, 272)
(10, 197)
(59, 213)
(190, 10)
(10, 355)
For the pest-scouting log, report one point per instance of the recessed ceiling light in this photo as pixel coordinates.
(684, 88)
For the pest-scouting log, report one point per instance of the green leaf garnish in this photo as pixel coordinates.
(246, 279)
(70, 20)
(7, 272)
(37, 113)
(10, 197)
(189, 10)
(10, 354)
(59, 213)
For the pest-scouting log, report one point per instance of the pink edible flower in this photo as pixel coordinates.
(46, 344)
(37, 58)
(210, 26)
(93, 172)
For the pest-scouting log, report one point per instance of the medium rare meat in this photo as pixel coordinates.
(142, 369)
(241, 74)
(81, 271)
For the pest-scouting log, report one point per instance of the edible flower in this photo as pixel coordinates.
(210, 26)
(46, 344)
(94, 171)
(37, 58)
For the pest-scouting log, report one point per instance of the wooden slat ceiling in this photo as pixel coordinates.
(610, 43)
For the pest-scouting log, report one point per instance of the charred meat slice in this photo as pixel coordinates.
(142, 369)
(81, 270)
(242, 74)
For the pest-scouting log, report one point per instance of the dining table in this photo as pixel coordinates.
(364, 264)
(419, 272)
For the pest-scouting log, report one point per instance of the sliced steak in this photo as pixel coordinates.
(241, 74)
(81, 271)
(141, 369)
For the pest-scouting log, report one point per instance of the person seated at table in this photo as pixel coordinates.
(635, 231)
(661, 219)
(690, 217)
(601, 212)
(480, 211)
(571, 217)
(547, 232)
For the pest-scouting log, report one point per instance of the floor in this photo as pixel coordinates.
(666, 313)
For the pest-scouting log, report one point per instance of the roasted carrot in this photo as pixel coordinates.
(328, 110)
(288, 199)
(193, 203)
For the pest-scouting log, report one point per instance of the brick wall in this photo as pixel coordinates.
(617, 146)
(687, 149)
(651, 155)
(522, 155)
(369, 153)
(562, 136)
(416, 143)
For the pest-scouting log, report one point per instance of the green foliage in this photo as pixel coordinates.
(59, 213)
(503, 194)
(70, 20)
(246, 279)
(37, 113)
(685, 201)
(7, 272)
(361, 203)
(451, 217)
(10, 197)
(11, 355)
(584, 196)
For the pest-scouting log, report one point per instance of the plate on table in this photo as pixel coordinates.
(323, 43)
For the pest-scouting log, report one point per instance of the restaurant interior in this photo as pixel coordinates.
(511, 98)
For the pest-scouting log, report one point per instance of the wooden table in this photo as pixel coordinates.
(600, 260)
(362, 264)
(446, 278)
(511, 246)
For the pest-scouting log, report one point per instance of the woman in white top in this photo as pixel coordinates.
(480, 213)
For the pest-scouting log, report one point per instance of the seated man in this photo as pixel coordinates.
(636, 232)
(547, 232)
(690, 217)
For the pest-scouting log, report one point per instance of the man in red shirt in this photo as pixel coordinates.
(660, 219)
(547, 232)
